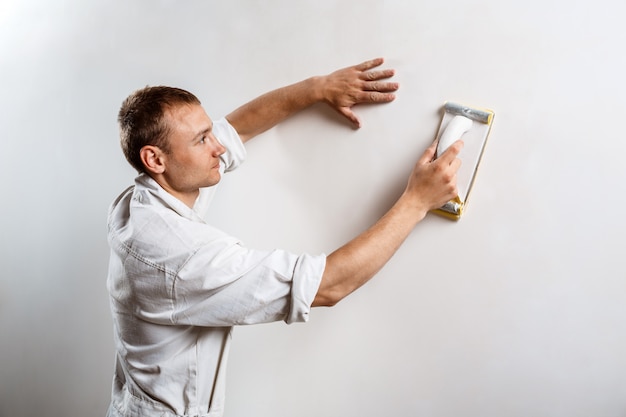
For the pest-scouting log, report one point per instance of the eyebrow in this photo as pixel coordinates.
(203, 132)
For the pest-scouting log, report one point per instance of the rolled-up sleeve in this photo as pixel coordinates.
(234, 156)
(235, 150)
(232, 285)
(303, 291)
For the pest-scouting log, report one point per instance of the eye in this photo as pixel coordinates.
(203, 139)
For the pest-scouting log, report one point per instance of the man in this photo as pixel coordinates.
(177, 284)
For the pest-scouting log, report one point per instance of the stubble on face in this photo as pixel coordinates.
(193, 158)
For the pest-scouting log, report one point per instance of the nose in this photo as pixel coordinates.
(218, 148)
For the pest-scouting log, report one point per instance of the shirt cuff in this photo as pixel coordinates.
(307, 278)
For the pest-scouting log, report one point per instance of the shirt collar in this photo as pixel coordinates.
(148, 191)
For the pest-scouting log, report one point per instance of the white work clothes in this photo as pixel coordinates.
(177, 285)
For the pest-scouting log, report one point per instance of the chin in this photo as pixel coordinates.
(212, 182)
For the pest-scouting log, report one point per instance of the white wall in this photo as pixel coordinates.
(519, 309)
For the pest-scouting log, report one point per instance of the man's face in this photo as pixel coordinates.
(193, 161)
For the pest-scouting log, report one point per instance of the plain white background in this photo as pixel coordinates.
(518, 309)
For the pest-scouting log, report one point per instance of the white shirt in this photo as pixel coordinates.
(177, 285)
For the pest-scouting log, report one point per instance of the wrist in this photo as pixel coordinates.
(413, 206)
(316, 87)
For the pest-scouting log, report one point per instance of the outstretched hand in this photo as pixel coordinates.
(357, 84)
(341, 89)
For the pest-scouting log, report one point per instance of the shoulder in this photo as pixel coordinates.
(235, 149)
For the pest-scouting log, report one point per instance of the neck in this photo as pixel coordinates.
(188, 197)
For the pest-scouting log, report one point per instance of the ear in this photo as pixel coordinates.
(153, 159)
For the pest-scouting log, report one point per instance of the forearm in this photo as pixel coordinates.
(268, 110)
(355, 263)
(430, 185)
(341, 90)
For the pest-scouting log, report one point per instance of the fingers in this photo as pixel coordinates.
(373, 83)
(372, 78)
(429, 154)
(359, 84)
(380, 86)
(377, 75)
(368, 65)
(433, 182)
(374, 97)
(377, 92)
(350, 115)
(451, 153)
(447, 157)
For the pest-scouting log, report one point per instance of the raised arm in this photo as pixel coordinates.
(431, 184)
(341, 90)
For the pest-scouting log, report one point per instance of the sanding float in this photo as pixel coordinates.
(472, 125)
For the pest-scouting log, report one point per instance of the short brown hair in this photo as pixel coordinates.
(142, 120)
